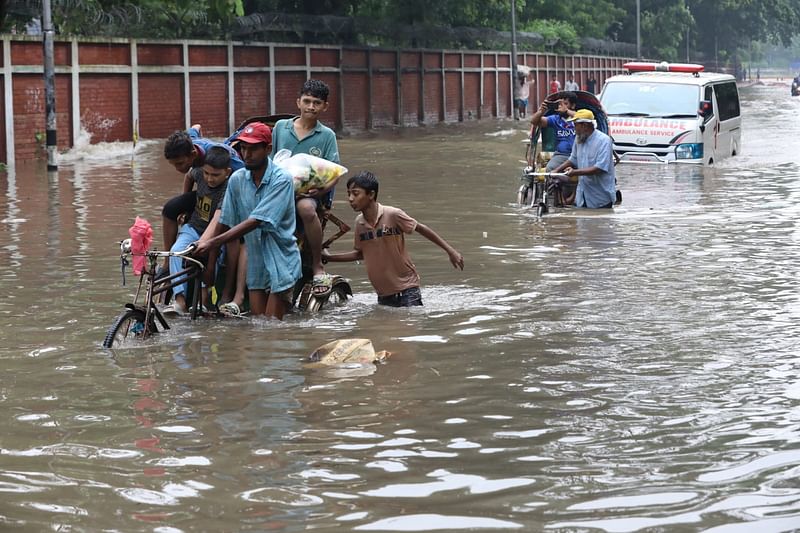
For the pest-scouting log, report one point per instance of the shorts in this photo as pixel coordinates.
(407, 298)
(521, 102)
(286, 295)
(179, 205)
(555, 161)
(325, 202)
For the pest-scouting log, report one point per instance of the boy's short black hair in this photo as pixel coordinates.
(218, 157)
(317, 89)
(572, 97)
(178, 144)
(364, 180)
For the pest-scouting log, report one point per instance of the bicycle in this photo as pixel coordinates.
(140, 321)
(547, 192)
(304, 297)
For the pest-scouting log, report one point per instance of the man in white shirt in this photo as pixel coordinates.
(571, 85)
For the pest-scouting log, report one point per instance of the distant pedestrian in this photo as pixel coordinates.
(591, 85)
(521, 94)
(571, 85)
(555, 85)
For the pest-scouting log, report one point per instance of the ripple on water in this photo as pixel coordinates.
(434, 522)
(447, 481)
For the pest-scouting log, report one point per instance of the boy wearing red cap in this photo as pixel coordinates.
(259, 205)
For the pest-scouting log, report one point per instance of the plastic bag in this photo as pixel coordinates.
(141, 236)
(309, 171)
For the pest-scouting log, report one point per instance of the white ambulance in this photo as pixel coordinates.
(672, 113)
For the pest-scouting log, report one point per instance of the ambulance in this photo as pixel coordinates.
(672, 113)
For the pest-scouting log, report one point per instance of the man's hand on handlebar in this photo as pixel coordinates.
(201, 248)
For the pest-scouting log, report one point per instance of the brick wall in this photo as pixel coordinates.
(104, 54)
(30, 119)
(251, 96)
(106, 107)
(369, 87)
(209, 103)
(160, 105)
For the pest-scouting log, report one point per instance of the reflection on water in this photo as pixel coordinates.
(634, 370)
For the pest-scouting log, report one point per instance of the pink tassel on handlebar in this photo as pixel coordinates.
(141, 236)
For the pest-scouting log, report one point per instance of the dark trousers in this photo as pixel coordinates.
(407, 298)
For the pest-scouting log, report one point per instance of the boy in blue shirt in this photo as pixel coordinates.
(559, 122)
(211, 184)
(307, 135)
(186, 151)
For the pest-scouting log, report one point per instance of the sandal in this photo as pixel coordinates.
(321, 284)
(229, 309)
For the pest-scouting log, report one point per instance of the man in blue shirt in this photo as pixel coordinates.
(564, 130)
(307, 135)
(259, 205)
(592, 163)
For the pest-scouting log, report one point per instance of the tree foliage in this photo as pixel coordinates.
(711, 29)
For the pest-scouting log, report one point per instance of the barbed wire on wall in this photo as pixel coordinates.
(349, 30)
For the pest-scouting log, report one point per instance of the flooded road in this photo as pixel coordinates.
(628, 371)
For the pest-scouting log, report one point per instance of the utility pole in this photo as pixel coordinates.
(638, 31)
(49, 87)
(514, 56)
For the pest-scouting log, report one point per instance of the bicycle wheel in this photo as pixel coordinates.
(128, 326)
(538, 192)
(337, 297)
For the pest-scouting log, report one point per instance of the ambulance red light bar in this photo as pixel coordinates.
(637, 66)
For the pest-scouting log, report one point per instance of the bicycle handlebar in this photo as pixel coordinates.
(549, 174)
(125, 248)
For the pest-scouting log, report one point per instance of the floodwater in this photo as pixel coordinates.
(628, 371)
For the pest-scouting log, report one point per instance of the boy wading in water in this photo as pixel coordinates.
(380, 241)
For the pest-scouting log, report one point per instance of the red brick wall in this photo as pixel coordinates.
(207, 56)
(384, 99)
(433, 98)
(30, 118)
(354, 58)
(160, 105)
(251, 96)
(209, 101)
(325, 57)
(355, 99)
(489, 84)
(32, 53)
(106, 107)
(472, 95)
(290, 56)
(159, 54)
(409, 115)
(104, 54)
(453, 99)
(255, 56)
(287, 87)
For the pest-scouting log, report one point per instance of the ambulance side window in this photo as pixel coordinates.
(727, 101)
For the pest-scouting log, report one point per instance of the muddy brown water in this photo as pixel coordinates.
(628, 371)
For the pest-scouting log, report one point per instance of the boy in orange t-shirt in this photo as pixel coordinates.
(380, 241)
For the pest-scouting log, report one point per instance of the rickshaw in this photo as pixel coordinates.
(538, 189)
